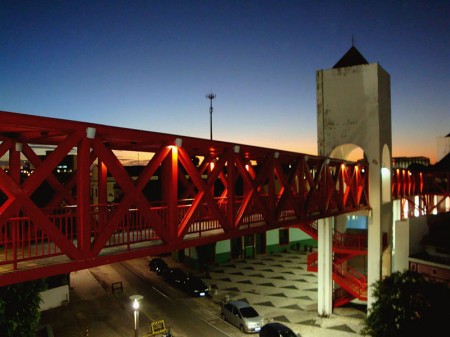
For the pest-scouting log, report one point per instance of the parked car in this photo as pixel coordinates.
(158, 265)
(194, 286)
(175, 277)
(276, 330)
(242, 315)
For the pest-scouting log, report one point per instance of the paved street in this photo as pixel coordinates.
(278, 286)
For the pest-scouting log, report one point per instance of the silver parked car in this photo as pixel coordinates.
(241, 315)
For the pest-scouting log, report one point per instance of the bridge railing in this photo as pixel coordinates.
(21, 240)
(351, 280)
(350, 240)
(347, 277)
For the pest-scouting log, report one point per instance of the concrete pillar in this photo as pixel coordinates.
(373, 253)
(325, 265)
(354, 111)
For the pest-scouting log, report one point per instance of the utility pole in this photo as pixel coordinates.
(210, 96)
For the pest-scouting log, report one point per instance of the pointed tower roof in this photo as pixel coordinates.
(351, 58)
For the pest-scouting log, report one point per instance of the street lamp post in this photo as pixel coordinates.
(135, 303)
(210, 96)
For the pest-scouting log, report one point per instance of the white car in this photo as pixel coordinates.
(241, 315)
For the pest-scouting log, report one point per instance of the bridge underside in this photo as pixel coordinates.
(188, 192)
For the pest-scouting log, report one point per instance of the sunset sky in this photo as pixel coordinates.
(148, 65)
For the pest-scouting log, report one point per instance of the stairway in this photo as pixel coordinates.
(352, 284)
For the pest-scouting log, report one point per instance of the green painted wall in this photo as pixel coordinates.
(223, 253)
(296, 236)
(297, 240)
(272, 237)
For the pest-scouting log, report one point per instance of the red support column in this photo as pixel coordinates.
(342, 169)
(103, 197)
(231, 193)
(170, 192)
(14, 163)
(83, 197)
(14, 172)
(102, 183)
(272, 193)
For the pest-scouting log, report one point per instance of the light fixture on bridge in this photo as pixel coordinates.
(327, 161)
(236, 148)
(384, 171)
(276, 154)
(90, 132)
(178, 142)
(306, 158)
(18, 147)
(135, 303)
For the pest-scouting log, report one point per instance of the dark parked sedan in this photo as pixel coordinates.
(158, 265)
(175, 277)
(191, 285)
(276, 330)
(194, 286)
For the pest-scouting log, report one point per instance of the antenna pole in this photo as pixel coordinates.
(210, 96)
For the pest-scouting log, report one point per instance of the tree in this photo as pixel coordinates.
(19, 308)
(408, 305)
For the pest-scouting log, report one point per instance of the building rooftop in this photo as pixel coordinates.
(351, 58)
(443, 165)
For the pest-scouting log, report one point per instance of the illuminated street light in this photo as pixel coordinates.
(135, 303)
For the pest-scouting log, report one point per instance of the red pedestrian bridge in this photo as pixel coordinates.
(189, 192)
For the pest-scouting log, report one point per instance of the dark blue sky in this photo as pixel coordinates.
(149, 64)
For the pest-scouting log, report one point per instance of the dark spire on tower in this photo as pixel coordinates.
(351, 58)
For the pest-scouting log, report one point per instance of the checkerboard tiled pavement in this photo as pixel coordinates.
(280, 288)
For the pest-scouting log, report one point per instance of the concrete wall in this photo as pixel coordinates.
(54, 297)
(408, 237)
(418, 228)
(298, 235)
(443, 147)
(351, 97)
(401, 246)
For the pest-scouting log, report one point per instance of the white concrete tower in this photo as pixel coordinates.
(354, 111)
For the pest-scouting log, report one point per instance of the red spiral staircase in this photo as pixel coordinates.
(352, 284)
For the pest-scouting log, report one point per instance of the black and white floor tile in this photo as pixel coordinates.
(280, 288)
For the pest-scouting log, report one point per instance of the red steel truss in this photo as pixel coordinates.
(206, 191)
(422, 192)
